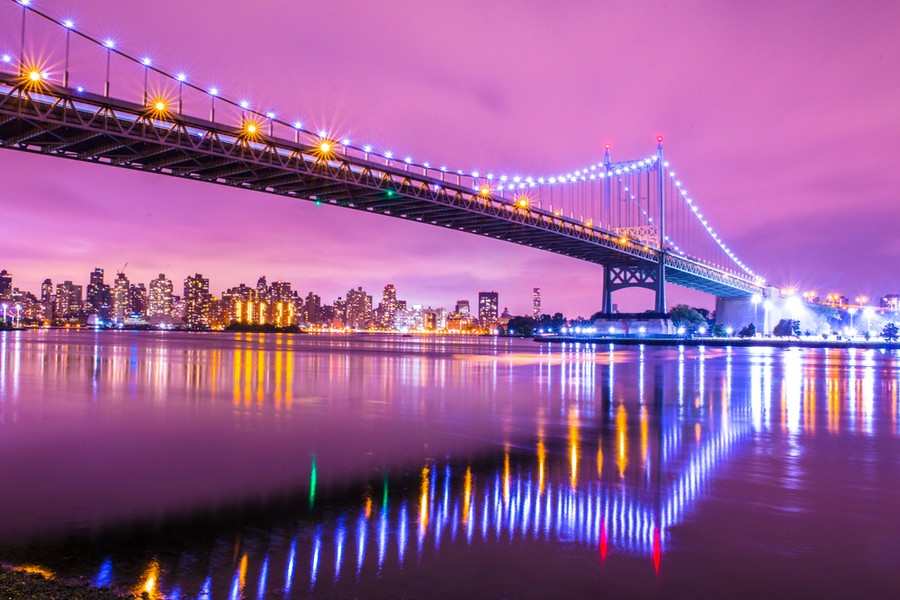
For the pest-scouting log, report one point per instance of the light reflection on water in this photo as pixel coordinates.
(386, 456)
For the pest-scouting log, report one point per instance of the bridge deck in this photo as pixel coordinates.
(61, 122)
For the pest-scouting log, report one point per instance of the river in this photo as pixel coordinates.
(236, 465)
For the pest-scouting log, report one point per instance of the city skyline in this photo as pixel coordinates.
(787, 148)
(163, 302)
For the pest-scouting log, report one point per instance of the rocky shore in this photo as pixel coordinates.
(16, 584)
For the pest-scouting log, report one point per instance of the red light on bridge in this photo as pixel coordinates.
(659, 139)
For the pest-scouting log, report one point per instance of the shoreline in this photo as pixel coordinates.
(25, 583)
(723, 342)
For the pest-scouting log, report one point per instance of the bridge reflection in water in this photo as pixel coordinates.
(619, 494)
(528, 498)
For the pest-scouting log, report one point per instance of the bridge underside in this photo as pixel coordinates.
(58, 122)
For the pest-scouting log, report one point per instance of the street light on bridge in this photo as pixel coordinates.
(69, 24)
(109, 44)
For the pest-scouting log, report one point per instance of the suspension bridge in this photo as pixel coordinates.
(634, 217)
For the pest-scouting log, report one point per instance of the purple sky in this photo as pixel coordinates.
(781, 119)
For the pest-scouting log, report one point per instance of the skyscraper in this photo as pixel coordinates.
(196, 302)
(47, 300)
(137, 300)
(488, 303)
(312, 309)
(462, 308)
(120, 297)
(160, 303)
(358, 309)
(5, 285)
(388, 306)
(536, 303)
(99, 299)
(281, 304)
(262, 289)
(68, 301)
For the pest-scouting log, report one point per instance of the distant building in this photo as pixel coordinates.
(241, 304)
(890, 301)
(488, 303)
(47, 300)
(196, 302)
(137, 300)
(358, 309)
(462, 308)
(120, 298)
(440, 318)
(99, 296)
(282, 311)
(262, 289)
(5, 285)
(312, 309)
(68, 302)
(837, 300)
(388, 306)
(536, 303)
(161, 302)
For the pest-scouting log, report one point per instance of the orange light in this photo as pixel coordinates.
(484, 191)
(33, 76)
(623, 240)
(522, 202)
(252, 128)
(324, 147)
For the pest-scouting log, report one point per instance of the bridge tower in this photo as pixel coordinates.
(652, 277)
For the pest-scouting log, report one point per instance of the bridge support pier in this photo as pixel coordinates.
(651, 277)
(764, 311)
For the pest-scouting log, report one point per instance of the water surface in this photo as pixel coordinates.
(272, 466)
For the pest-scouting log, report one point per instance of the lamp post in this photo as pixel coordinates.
(852, 311)
(4, 306)
(146, 61)
(181, 77)
(109, 44)
(766, 305)
(24, 4)
(69, 24)
(18, 313)
(213, 92)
